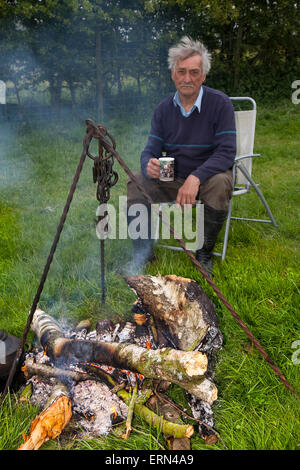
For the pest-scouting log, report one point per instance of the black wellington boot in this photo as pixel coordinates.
(143, 251)
(213, 223)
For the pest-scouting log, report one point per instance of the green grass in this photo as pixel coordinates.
(260, 276)
(15, 418)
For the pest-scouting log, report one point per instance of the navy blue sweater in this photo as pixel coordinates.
(202, 144)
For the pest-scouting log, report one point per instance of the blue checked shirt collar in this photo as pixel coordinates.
(197, 104)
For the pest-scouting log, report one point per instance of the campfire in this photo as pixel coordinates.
(99, 379)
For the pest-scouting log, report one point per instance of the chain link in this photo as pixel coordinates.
(103, 173)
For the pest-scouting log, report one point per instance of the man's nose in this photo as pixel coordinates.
(187, 77)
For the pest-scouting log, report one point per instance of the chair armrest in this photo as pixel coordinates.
(242, 157)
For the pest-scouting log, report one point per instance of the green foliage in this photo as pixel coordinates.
(15, 418)
(97, 48)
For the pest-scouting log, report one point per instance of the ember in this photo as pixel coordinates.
(105, 369)
(115, 417)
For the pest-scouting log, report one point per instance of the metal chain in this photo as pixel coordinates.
(103, 173)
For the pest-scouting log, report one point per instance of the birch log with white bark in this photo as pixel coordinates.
(178, 305)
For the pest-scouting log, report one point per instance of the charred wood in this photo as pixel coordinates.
(31, 368)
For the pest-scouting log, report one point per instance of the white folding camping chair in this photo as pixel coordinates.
(242, 171)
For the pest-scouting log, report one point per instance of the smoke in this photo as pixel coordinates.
(141, 256)
(40, 146)
(15, 165)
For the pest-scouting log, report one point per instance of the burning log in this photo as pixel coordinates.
(178, 305)
(31, 368)
(50, 423)
(184, 368)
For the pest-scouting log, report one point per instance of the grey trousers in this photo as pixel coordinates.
(216, 192)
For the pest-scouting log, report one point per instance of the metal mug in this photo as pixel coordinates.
(166, 169)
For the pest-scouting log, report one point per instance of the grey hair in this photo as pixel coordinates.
(186, 48)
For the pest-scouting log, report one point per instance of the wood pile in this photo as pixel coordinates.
(100, 379)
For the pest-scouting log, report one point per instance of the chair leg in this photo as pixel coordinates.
(242, 168)
(226, 234)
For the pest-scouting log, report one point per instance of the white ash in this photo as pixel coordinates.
(78, 335)
(96, 398)
(125, 333)
(107, 337)
(39, 356)
(41, 387)
(89, 399)
(41, 390)
(202, 411)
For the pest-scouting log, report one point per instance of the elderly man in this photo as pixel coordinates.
(196, 127)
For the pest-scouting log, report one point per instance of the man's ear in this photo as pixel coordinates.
(172, 74)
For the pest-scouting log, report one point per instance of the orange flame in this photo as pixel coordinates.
(148, 345)
(114, 411)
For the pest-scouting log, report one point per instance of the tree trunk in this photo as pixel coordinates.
(119, 81)
(237, 57)
(55, 91)
(17, 94)
(138, 80)
(72, 92)
(99, 76)
(31, 368)
(20, 113)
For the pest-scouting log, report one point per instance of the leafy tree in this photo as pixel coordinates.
(105, 45)
(254, 43)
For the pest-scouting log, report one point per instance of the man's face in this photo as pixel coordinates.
(188, 77)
